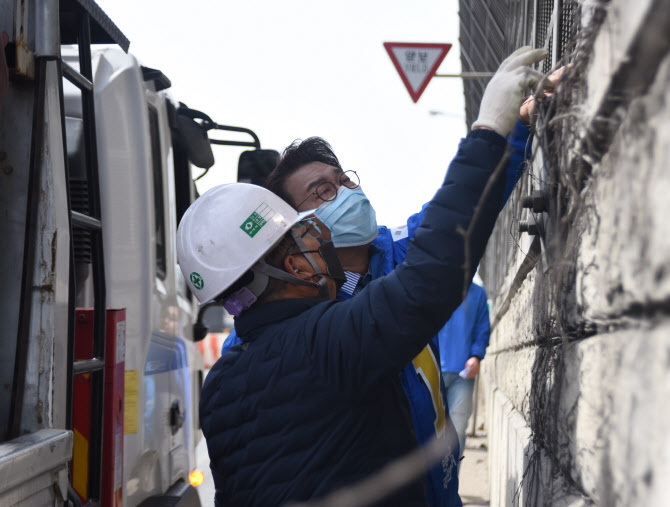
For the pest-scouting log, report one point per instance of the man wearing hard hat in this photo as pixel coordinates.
(307, 404)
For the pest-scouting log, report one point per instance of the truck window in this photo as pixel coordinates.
(185, 192)
(159, 205)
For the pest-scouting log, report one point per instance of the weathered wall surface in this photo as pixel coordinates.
(578, 370)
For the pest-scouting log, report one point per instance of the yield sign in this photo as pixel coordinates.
(416, 63)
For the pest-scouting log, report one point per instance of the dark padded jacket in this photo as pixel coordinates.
(310, 400)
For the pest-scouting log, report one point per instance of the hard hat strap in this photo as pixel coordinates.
(273, 272)
(306, 252)
(328, 254)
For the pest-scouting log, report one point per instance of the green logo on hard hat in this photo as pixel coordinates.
(257, 220)
(197, 280)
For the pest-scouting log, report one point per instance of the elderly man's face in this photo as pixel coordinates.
(302, 185)
(312, 245)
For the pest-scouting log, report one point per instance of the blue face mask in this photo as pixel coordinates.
(350, 217)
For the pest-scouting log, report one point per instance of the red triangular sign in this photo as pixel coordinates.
(416, 63)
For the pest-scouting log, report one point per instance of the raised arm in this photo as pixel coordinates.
(388, 323)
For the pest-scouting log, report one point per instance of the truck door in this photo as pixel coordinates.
(173, 315)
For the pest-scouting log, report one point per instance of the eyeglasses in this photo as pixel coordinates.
(328, 191)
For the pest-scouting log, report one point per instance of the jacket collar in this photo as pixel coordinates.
(250, 322)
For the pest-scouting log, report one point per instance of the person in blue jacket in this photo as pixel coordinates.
(309, 176)
(463, 341)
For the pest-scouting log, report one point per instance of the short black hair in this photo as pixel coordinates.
(296, 155)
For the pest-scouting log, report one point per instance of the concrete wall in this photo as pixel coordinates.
(577, 376)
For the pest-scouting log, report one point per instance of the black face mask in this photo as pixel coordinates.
(327, 252)
(333, 265)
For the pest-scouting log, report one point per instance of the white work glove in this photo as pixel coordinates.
(499, 109)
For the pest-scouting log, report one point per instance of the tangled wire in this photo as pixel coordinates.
(563, 157)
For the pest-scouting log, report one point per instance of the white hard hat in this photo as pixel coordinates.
(225, 231)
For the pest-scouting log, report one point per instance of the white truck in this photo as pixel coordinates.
(99, 375)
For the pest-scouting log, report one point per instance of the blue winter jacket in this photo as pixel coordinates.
(311, 400)
(420, 378)
(466, 334)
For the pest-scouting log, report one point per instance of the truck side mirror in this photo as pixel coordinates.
(199, 332)
(210, 320)
(255, 165)
(195, 139)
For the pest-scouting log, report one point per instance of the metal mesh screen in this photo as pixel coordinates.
(544, 31)
(566, 26)
(483, 42)
(502, 245)
(489, 31)
(519, 25)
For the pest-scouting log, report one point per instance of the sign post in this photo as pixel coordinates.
(416, 63)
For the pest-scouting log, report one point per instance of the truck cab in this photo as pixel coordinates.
(100, 372)
(138, 198)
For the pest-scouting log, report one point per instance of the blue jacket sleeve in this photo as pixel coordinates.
(232, 340)
(394, 249)
(481, 329)
(519, 145)
(401, 312)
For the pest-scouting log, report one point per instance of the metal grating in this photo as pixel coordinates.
(530, 20)
(543, 22)
(489, 31)
(566, 27)
(483, 45)
(503, 244)
(103, 30)
(499, 12)
(519, 25)
(544, 30)
(81, 236)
